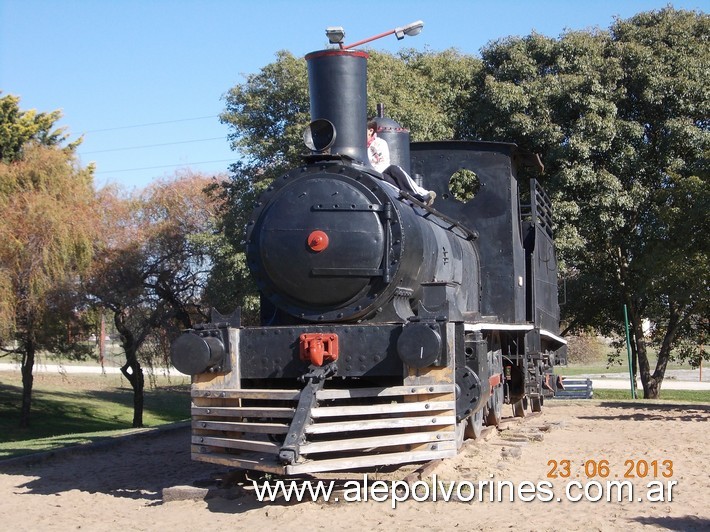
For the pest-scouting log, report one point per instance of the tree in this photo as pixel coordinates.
(426, 92)
(46, 237)
(151, 266)
(621, 118)
(19, 129)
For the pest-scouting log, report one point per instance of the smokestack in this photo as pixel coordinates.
(337, 80)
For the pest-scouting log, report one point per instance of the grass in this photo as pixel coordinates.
(689, 396)
(70, 409)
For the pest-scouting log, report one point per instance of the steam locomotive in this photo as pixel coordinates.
(390, 329)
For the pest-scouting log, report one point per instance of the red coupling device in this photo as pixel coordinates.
(318, 348)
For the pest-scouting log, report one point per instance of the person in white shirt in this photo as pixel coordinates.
(377, 149)
(378, 153)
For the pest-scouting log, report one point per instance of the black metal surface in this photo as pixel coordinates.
(465, 232)
(378, 246)
(356, 241)
(198, 351)
(476, 350)
(468, 392)
(305, 283)
(514, 379)
(398, 141)
(365, 350)
(338, 88)
(493, 213)
(420, 344)
(542, 300)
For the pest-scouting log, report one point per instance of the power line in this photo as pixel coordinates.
(151, 124)
(163, 166)
(152, 145)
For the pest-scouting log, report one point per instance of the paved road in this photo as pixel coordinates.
(60, 368)
(624, 384)
(675, 379)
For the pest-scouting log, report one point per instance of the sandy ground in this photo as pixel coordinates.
(121, 486)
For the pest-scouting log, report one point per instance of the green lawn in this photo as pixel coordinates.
(689, 396)
(78, 408)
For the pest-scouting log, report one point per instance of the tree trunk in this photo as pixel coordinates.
(131, 369)
(652, 383)
(650, 389)
(664, 354)
(134, 373)
(28, 362)
(639, 342)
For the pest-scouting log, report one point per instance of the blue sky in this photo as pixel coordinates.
(143, 80)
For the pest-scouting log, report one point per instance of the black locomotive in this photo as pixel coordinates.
(391, 329)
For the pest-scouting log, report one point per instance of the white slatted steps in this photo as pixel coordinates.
(349, 428)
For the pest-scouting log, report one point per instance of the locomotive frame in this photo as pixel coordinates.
(391, 330)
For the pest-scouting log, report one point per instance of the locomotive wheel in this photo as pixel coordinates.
(536, 404)
(519, 408)
(494, 415)
(474, 425)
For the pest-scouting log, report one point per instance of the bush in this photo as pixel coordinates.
(586, 349)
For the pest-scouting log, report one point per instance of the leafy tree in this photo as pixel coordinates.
(424, 91)
(151, 267)
(19, 129)
(46, 242)
(621, 118)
